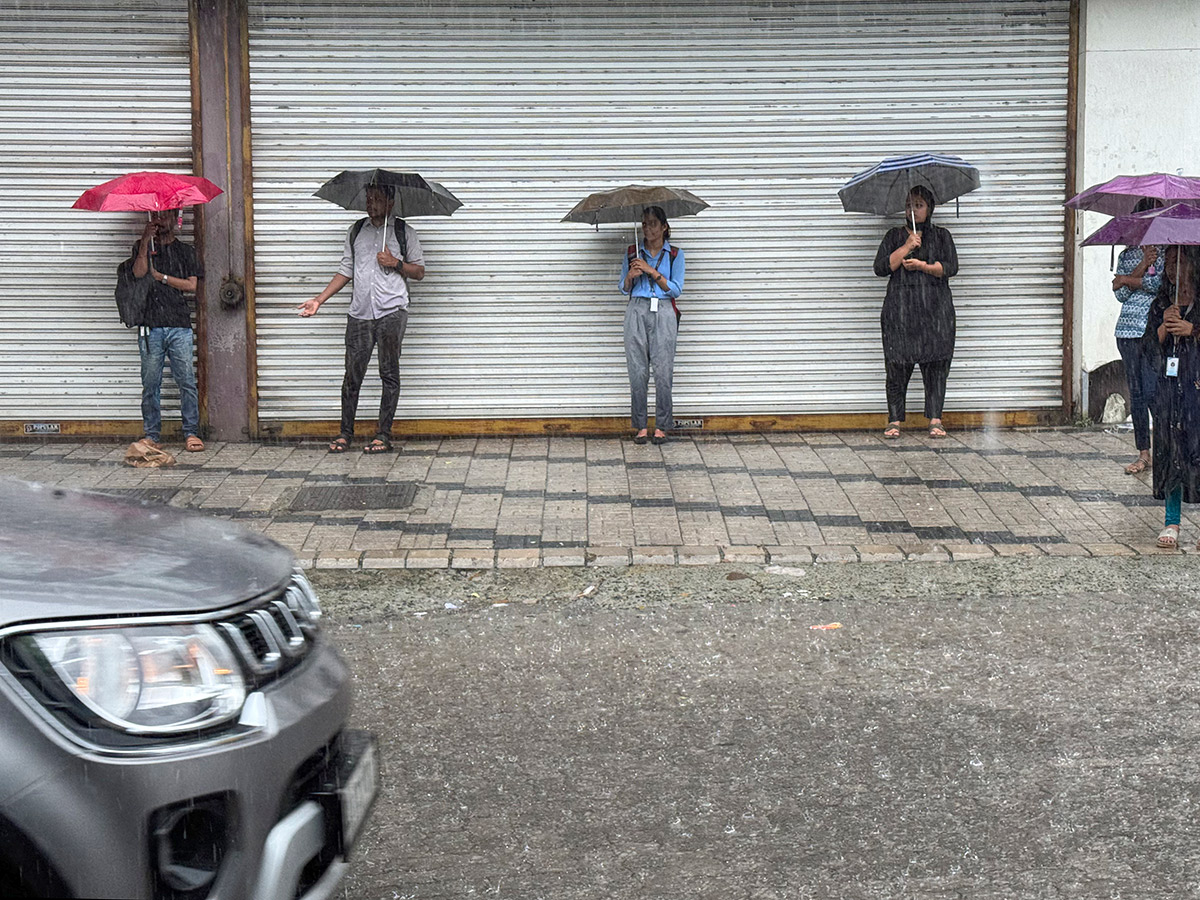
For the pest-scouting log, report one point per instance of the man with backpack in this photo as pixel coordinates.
(380, 255)
(165, 329)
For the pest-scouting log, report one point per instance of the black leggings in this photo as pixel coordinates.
(933, 374)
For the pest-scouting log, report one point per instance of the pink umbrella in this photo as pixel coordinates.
(147, 192)
(1118, 196)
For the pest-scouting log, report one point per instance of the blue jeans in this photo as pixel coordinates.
(175, 345)
(1140, 359)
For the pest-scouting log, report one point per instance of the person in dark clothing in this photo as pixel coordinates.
(918, 259)
(1174, 320)
(166, 332)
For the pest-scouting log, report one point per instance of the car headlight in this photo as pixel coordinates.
(154, 679)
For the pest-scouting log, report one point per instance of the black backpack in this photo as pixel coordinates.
(397, 224)
(132, 295)
(631, 255)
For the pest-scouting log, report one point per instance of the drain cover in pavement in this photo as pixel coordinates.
(396, 495)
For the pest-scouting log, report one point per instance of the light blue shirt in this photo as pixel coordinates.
(671, 269)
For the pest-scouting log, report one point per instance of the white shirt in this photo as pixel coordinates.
(378, 291)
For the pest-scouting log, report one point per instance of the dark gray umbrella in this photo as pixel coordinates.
(415, 196)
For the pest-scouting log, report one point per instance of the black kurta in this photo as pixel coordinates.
(918, 311)
(1176, 409)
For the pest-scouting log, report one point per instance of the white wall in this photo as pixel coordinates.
(1139, 98)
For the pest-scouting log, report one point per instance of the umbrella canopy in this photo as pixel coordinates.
(415, 196)
(626, 204)
(147, 192)
(1119, 196)
(883, 188)
(1176, 224)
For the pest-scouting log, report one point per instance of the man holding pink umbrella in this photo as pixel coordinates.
(166, 330)
(165, 269)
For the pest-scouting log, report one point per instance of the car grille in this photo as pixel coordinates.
(273, 636)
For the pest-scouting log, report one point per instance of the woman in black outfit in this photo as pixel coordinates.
(918, 259)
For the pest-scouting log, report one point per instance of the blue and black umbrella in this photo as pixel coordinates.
(883, 188)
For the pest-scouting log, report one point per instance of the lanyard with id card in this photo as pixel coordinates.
(653, 296)
(1172, 370)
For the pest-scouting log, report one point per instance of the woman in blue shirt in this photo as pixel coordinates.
(1136, 283)
(653, 278)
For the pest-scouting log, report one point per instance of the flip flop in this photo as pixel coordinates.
(339, 444)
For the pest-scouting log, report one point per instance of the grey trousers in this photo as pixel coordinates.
(650, 342)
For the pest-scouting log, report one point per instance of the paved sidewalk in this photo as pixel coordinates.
(786, 499)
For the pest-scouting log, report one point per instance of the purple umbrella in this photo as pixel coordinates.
(1177, 224)
(1120, 195)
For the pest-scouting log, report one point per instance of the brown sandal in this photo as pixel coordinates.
(1137, 467)
(193, 444)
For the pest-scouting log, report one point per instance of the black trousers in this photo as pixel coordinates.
(362, 337)
(933, 374)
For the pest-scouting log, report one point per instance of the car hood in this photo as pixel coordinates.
(70, 554)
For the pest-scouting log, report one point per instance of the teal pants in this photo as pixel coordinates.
(1174, 507)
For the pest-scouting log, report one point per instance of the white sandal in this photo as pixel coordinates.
(1168, 538)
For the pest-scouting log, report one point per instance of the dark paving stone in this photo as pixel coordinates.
(793, 515)
(885, 527)
(517, 541)
(838, 521)
(471, 534)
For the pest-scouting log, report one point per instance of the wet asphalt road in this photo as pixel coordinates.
(976, 731)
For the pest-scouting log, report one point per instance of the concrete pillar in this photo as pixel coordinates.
(221, 135)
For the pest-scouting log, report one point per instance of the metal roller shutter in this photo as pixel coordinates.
(87, 91)
(761, 108)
